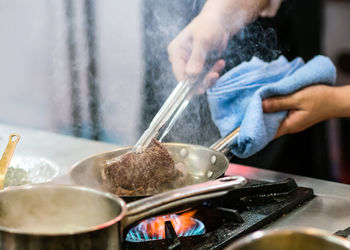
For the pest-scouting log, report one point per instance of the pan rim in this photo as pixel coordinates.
(106, 224)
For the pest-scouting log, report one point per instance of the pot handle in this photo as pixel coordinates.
(155, 204)
(224, 145)
(7, 156)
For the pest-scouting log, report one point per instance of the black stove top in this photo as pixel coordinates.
(238, 213)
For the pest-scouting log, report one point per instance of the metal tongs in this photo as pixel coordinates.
(173, 107)
(171, 110)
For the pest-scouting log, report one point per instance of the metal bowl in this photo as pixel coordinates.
(37, 170)
(291, 239)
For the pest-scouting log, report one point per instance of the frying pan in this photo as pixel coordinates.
(201, 164)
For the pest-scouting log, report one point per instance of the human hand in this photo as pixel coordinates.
(306, 107)
(188, 51)
(209, 32)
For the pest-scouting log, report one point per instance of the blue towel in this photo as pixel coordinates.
(236, 98)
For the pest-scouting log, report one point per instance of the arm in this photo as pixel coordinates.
(309, 106)
(210, 31)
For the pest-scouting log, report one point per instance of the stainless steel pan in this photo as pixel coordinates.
(295, 238)
(201, 163)
(61, 217)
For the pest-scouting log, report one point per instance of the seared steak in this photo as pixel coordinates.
(149, 172)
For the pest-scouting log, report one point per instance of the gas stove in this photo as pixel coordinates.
(326, 209)
(222, 220)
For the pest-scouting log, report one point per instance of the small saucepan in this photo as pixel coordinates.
(200, 164)
(53, 216)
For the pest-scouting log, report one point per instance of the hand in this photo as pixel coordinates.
(306, 107)
(209, 32)
(188, 51)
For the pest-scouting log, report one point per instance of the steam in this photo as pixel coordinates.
(253, 40)
(163, 22)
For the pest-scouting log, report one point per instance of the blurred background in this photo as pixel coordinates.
(99, 70)
(72, 66)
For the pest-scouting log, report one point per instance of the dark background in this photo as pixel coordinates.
(295, 31)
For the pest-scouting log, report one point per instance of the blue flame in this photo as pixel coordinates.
(139, 232)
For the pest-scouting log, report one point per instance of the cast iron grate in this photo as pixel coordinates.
(238, 213)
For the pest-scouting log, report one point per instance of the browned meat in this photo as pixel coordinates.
(146, 173)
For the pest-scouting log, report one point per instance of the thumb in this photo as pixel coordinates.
(289, 124)
(196, 61)
(282, 130)
(280, 103)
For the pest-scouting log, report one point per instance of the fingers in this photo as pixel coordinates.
(196, 61)
(280, 103)
(219, 66)
(286, 125)
(214, 74)
(271, 9)
(178, 59)
(178, 65)
(283, 103)
(296, 121)
(280, 132)
(209, 80)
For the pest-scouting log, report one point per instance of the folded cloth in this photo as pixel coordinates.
(236, 98)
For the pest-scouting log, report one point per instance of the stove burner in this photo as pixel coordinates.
(227, 218)
(154, 228)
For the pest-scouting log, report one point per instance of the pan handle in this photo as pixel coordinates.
(155, 204)
(224, 145)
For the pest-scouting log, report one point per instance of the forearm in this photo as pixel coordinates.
(236, 13)
(341, 100)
